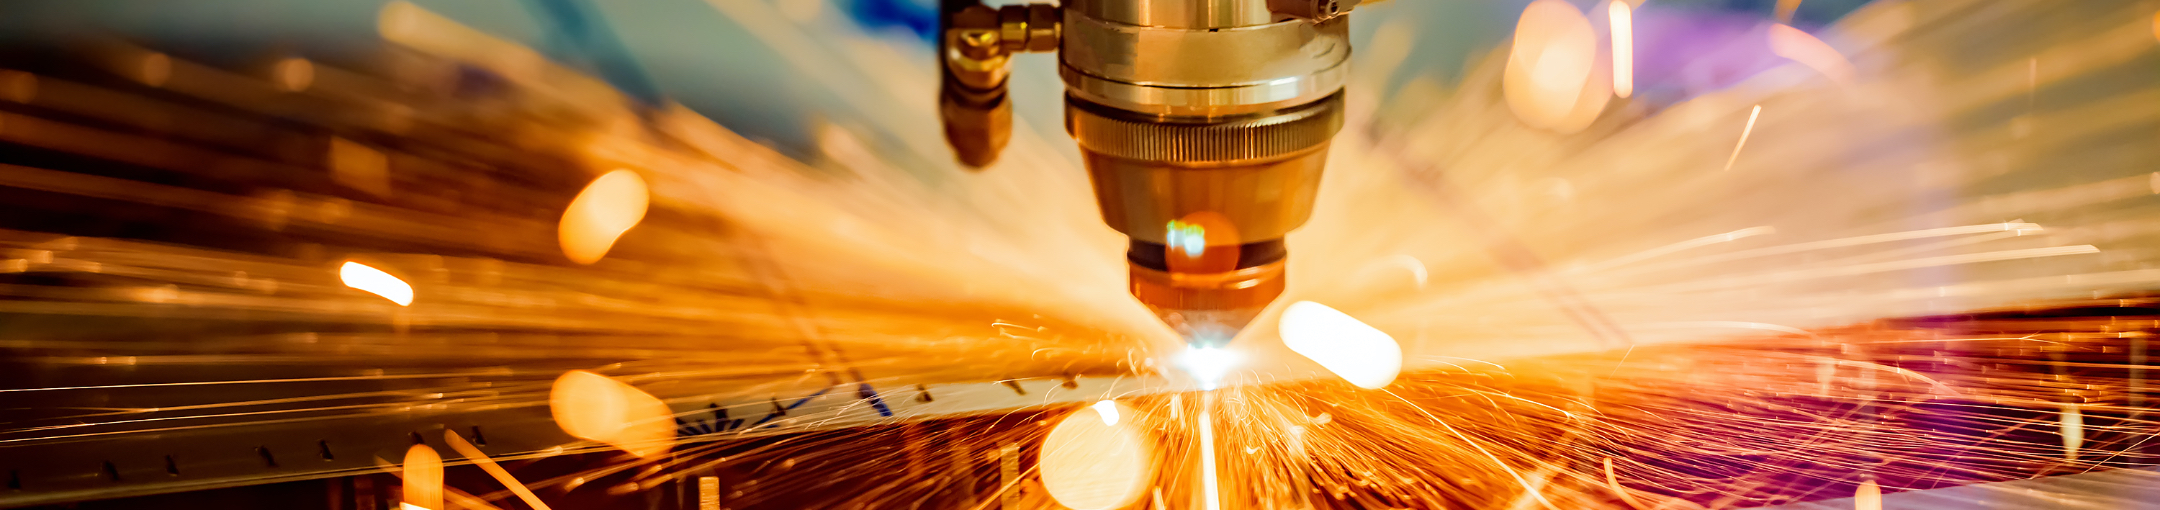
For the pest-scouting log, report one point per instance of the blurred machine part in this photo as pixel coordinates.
(1204, 126)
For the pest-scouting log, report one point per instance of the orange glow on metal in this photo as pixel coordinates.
(1202, 242)
(377, 282)
(1623, 48)
(423, 472)
(597, 408)
(480, 458)
(601, 214)
(1089, 461)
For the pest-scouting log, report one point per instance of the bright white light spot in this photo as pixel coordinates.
(1352, 350)
(1190, 237)
(601, 214)
(1208, 364)
(1089, 464)
(377, 282)
(1108, 410)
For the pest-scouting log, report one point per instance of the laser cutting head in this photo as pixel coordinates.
(1204, 126)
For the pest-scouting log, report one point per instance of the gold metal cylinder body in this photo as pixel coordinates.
(1204, 126)
(1263, 199)
(1207, 202)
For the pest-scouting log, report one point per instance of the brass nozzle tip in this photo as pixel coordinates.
(1208, 309)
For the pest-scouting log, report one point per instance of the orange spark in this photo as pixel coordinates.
(1210, 487)
(377, 282)
(1744, 132)
(1613, 482)
(481, 459)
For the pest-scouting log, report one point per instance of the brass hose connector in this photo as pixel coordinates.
(977, 45)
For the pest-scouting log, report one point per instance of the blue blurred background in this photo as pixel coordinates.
(693, 52)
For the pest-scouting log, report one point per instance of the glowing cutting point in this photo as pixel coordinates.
(377, 282)
(1190, 238)
(1095, 464)
(1108, 410)
(601, 214)
(1208, 364)
(1352, 350)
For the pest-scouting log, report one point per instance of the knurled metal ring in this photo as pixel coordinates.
(1123, 134)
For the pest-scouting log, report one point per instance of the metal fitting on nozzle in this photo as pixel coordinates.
(1207, 306)
(977, 45)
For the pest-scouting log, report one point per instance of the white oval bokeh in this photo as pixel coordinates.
(1352, 350)
(1090, 461)
(601, 409)
(375, 281)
